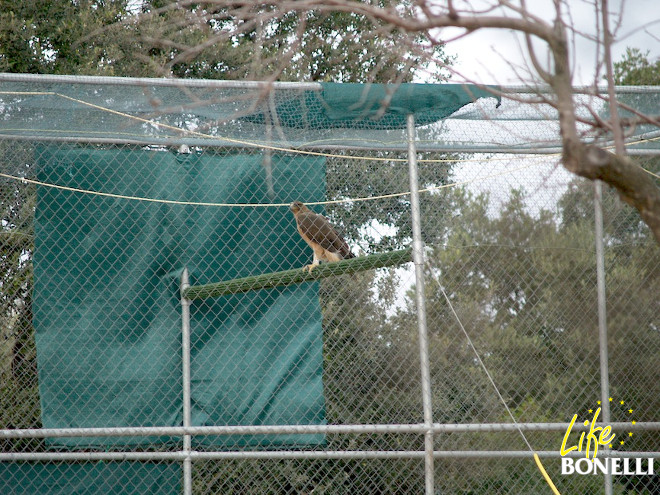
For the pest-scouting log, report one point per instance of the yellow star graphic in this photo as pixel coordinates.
(634, 422)
(630, 411)
(621, 442)
(621, 402)
(611, 399)
(591, 410)
(630, 433)
(598, 403)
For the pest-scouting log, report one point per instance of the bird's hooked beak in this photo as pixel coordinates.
(295, 206)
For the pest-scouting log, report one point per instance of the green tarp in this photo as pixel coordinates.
(375, 106)
(106, 306)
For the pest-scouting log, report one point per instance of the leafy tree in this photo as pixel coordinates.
(47, 36)
(18, 393)
(523, 286)
(216, 41)
(633, 322)
(635, 69)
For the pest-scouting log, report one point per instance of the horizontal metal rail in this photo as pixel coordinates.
(310, 429)
(220, 142)
(218, 83)
(155, 81)
(223, 142)
(296, 454)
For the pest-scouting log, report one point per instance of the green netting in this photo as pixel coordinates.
(106, 305)
(229, 114)
(290, 115)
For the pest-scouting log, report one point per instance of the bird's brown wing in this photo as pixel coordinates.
(320, 231)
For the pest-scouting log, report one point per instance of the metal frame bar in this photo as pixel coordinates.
(297, 454)
(154, 81)
(602, 318)
(161, 142)
(420, 300)
(219, 143)
(185, 372)
(217, 83)
(419, 428)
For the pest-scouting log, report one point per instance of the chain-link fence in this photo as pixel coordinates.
(289, 382)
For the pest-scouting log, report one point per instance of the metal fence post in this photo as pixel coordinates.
(418, 260)
(602, 317)
(185, 367)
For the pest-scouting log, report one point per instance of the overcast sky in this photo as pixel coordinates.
(485, 55)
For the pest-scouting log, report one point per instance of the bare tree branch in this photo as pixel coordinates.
(417, 19)
(607, 55)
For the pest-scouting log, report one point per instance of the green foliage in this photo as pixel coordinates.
(635, 69)
(208, 41)
(260, 41)
(58, 36)
(523, 286)
(19, 400)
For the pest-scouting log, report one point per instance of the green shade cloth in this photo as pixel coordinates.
(139, 478)
(375, 106)
(106, 304)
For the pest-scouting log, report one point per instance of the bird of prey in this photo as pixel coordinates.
(321, 236)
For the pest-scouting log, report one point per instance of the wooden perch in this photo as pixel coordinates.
(298, 275)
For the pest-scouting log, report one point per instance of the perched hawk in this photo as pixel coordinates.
(321, 236)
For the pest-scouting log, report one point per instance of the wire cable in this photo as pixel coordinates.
(202, 203)
(537, 459)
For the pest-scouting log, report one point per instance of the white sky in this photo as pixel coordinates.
(486, 56)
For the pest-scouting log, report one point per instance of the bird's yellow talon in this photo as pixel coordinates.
(308, 268)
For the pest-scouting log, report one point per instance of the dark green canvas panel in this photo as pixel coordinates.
(280, 377)
(136, 478)
(106, 306)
